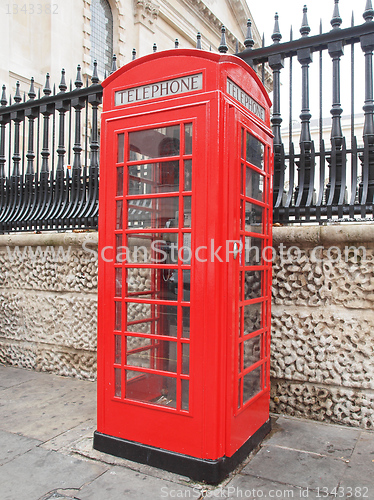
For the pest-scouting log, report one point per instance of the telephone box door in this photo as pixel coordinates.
(150, 357)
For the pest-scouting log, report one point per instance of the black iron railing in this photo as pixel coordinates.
(315, 182)
(49, 166)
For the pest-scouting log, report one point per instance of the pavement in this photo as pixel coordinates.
(46, 428)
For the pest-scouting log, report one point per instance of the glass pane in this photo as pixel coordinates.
(252, 351)
(240, 321)
(253, 251)
(140, 352)
(120, 250)
(117, 348)
(254, 185)
(121, 142)
(240, 357)
(255, 151)
(119, 214)
(155, 248)
(252, 285)
(118, 278)
(119, 181)
(240, 287)
(252, 383)
(154, 143)
(241, 179)
(241, 220)
(188, 175)
(185, 394)
(168, 321)
(151, 388)
(186, 322)
(187, 253)
(154, 178)
(140, 280)
(118, 316)
(239, 392)
(253, 218)
(153, 212)
(188, 139)
(139, 318)
(186, 285)
(186, 359)
(252, 318)
(187, 211)
(117, 382)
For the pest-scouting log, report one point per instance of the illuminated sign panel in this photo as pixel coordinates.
(154, 90)
(237, 93)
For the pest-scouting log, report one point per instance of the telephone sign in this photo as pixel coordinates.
(184, 274)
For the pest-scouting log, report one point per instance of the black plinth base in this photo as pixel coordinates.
(208, 471)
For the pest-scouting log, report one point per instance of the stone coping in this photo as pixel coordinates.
(49, 239)
(302, 235)
(324, 235)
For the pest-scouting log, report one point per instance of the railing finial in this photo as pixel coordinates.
(223, 48)
(63, 85)
(114, 64)
(368, 15)
(155, 47)
(133, 54)
(249, 42)
(336, 20)
(95, 76)
(198, 41)
(47, 88)
(3, 100)
(305, 28)
(176, 43)
(276, 36)
(17, 96)
(78, 81)
(32, 93)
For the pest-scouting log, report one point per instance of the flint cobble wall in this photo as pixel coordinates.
(322, 317)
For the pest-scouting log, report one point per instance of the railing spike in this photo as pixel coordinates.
(198, 41)
(24, 96)
(78, 81)
(95, 76)
(263, 39)
(155, 47)
(210, 48)
(133, 53)
(38, 93)
(47, 88)
(223, 48)
(87, 81)
(32, 93)
(352, 20)
(54, 89)
(320, 26)
(236, 46)
(17, 95)
(63, 87)
(336, 20)
(305, 28)
(368, 15)
(291, 34)
(176, 43)
(249, 42)
(114, 64)
(276, 36)
(3, 100)
(105, 74)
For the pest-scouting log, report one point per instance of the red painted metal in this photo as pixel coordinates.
(143, 346)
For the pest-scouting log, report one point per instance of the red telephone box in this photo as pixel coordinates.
(184, 263)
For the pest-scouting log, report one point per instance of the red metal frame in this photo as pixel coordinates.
(213, 424)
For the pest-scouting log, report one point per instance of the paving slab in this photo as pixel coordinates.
(243, 486)
(306, 470)
(66, 440)
(324, 439)
(45, 420)
(37, 472)
(359, 478)
(13, 445)
(123, 483)
(10, 376)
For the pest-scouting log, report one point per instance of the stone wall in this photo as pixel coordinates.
(322, 326)
(48, 303)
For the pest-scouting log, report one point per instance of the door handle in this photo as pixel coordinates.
(236, 250)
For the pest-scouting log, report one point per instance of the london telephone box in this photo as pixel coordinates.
(184, 263)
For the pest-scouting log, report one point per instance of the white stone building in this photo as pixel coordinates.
(41, 37)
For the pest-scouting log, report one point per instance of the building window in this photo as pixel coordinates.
(101, 35)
